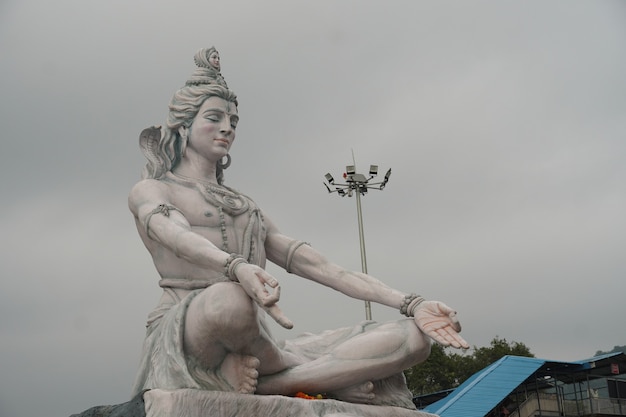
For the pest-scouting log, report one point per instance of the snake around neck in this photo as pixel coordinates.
(231, 201)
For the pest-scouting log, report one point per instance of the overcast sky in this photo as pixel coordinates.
(504, 124)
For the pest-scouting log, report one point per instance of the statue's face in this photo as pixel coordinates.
(214, 60)
(212, 131)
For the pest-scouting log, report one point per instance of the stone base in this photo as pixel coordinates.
(197, 403)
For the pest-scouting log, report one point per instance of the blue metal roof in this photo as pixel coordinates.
(485, 389)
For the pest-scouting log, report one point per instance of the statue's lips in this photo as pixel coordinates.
(223, 141)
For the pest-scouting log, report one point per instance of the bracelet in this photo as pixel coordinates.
(413, 306)
(233, 261)
(410, 303)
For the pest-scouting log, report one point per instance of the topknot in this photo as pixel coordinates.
(206, 73)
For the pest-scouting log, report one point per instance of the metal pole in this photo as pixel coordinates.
(358, 183)
(368, 306)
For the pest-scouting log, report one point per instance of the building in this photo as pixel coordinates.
(516, 386)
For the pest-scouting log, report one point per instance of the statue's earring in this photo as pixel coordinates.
(182, 131)
(183, 146)
(226, 164)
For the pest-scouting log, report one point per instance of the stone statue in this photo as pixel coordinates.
(210, 244)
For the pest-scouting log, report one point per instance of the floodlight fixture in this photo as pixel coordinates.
(329, 178)
(373, 170)
(350, 170)
(387, 175)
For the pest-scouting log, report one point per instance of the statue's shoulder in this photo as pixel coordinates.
(148, 190)
(148, 184)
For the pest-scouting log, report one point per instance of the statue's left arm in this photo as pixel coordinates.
(434, 318)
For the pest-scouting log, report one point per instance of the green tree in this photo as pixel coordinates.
(445, 368)
(614, 350)
(436, 374)
(498, 348)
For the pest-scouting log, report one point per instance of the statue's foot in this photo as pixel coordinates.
(241, 372)
(359, 393)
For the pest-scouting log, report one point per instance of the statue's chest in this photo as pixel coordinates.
(204, 215)
(214, 210)
(230, 220)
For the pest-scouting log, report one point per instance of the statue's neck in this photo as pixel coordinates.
(199, 171)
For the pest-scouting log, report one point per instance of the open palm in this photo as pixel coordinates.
(439, 321)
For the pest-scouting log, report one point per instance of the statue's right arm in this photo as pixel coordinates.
(163, 223)
(150, 203)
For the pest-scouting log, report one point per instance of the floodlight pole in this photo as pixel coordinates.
(358, 184)
(368, 305)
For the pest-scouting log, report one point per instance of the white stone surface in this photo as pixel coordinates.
(197, 403)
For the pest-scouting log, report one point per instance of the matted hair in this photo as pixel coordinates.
(184, 107)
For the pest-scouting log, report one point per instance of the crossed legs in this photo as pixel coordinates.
(225, 332)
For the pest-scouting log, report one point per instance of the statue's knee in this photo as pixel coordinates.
(417, 345)
(227, 305)
(420, 346)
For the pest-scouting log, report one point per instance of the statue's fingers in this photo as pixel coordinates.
(458, 342)
(452, 338)
(445, 309)
(462, 343)
(276, 313)
(268, 279)
(452, 341)
(454, 322)
(272, 298)
(440, 337)
(260, 293)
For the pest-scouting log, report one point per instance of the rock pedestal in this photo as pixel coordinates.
(197, 403)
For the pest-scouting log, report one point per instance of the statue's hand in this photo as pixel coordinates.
(254, 279)
(439, 321)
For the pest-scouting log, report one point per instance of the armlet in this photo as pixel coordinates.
(293, 247)
(163, 209)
